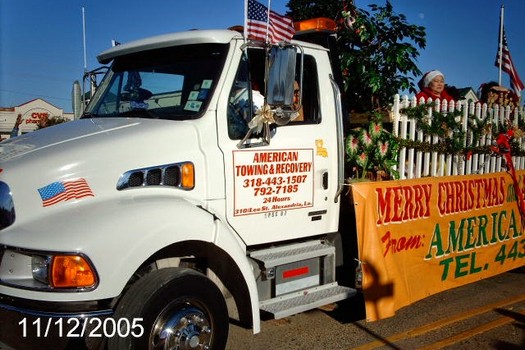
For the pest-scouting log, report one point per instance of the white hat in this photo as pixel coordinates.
(428, 77)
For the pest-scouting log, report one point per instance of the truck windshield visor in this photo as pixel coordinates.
(173, 83)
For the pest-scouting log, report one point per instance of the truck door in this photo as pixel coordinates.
(285, 189)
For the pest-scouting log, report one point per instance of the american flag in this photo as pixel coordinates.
(280, 27)
(508, 66)
(64, 191)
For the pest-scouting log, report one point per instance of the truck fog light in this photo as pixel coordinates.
(40, 268)
(72, 271)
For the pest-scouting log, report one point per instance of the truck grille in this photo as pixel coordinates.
(7, 208)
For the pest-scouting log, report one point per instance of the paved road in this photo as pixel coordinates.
(488, 314)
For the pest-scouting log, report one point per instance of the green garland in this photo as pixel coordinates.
(373, 152)
(452, 139)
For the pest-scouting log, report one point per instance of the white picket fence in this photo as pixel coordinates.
(416, 164)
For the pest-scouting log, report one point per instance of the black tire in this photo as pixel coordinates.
(180, 309)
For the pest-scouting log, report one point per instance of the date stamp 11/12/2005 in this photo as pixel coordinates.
(92, 327)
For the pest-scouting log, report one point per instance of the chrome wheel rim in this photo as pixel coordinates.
(181, 326)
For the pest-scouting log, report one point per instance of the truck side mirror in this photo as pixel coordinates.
(281, 76)
(77, 100)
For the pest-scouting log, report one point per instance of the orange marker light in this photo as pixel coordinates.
(320, 24)
(188, 176)
(71, 271)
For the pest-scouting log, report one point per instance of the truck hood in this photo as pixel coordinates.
(67, 132)
(98, 151)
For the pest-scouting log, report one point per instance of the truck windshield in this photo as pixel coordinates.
(170, 83)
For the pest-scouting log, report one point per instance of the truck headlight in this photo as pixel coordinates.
(63, 271)
(40, 268)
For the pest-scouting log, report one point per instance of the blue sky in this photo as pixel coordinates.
(41, 46)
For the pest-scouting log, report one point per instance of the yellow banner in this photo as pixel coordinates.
(423, 236)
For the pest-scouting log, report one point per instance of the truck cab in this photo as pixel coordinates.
(205, 168)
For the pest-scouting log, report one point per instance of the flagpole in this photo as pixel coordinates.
(245, 20)
(500, 43)
(268, 20)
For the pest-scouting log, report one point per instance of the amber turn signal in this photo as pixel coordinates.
(71, 271)
(187, 176)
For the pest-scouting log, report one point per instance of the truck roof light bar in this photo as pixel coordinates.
(320, 24)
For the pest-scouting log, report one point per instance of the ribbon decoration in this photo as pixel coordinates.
(262, 116)
(503, 148)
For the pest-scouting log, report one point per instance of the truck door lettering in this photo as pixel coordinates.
(270, 177)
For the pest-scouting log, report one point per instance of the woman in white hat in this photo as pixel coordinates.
(432, 86)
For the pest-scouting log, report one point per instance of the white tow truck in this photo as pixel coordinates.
(130, 227)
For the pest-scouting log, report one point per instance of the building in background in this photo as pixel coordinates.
(33, 112)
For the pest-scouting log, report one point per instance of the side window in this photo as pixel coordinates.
(309, 112)
(246, 95)
(239, 113)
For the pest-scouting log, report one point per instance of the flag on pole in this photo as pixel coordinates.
(504, 60)
(278, 28)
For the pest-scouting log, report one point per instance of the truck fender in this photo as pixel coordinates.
(119, 237)
(229, 242)
(225, 255)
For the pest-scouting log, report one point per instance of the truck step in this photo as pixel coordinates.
(284, 255)
(294, 303)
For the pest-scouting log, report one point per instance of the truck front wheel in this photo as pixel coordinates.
(178, 309)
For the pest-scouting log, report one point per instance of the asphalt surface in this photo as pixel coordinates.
(488, 314)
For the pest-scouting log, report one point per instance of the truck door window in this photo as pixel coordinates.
(310, 93)
(247, 94)
(239, 111)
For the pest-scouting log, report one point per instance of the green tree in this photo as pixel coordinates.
(44, 123)
(378, 49)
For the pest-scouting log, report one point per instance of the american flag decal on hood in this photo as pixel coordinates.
(63, 191)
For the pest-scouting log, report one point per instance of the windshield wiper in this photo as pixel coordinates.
(139, 113)
(89, 115)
